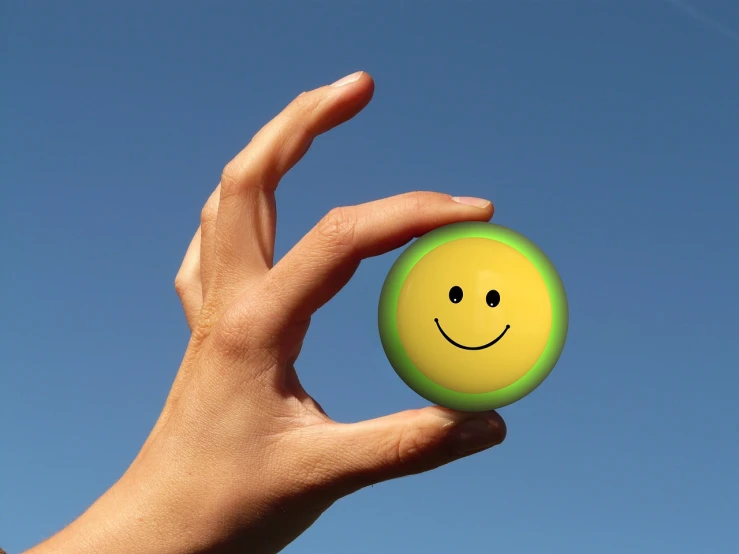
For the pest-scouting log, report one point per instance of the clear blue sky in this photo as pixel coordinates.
(607, 132)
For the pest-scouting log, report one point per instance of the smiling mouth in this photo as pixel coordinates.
(491, 343)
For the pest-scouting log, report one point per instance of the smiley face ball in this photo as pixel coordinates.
(473, 316)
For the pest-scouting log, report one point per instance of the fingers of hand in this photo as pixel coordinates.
(246, 214)
(280, 144)
(326, 258)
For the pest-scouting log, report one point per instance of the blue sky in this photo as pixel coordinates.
(605, 131)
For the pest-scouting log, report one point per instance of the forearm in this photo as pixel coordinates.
(127, 518)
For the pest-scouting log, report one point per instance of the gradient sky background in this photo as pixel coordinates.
(604, 131)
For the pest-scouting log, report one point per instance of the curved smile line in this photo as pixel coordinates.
(491, 343)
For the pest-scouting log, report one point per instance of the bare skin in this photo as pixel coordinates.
(242, 459)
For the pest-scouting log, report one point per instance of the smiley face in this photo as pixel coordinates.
(473, 316)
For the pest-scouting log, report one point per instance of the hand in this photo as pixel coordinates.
(242, 459)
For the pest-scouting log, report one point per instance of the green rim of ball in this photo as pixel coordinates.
(409, 373)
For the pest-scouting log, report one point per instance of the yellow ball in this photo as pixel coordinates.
(473, 316)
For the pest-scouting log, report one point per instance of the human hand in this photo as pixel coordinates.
(242, 459)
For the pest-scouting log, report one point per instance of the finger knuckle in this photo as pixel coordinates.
(302, 103)
(338, 227)
(303, 109)
(208, 215)
(234, 329)
(180, 285)
(231, 178)
(406, 447)
(421, 202)
(241, 333)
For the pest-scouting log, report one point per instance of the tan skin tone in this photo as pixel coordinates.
(242, 459)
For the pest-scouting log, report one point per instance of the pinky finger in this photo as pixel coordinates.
(188, 283)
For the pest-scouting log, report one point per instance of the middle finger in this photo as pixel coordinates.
(247, 215)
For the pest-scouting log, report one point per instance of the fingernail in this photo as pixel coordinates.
(476, 434)
(472, 201)
(348, 79)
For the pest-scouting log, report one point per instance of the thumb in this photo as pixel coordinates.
(409, 442)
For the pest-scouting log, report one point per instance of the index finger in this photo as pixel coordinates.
(319, 266)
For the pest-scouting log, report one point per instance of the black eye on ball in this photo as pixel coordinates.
(455, 294)
(492, 298)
